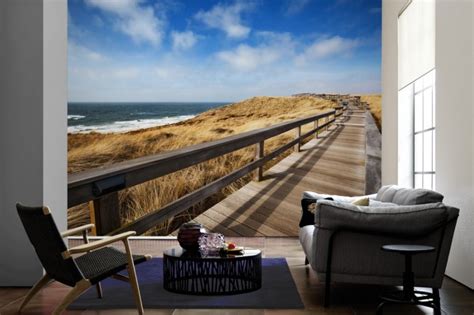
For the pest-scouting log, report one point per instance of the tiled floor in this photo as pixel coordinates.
(347, 299)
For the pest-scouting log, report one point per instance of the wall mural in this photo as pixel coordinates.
(154, 76)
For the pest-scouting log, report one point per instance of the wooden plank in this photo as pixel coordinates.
(264, 217)
(270, 218)
(224, 213)
(216, 227)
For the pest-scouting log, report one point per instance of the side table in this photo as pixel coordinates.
(409, 295)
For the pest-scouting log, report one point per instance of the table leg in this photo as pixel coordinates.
(408, 279)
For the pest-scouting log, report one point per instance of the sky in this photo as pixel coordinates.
(214, 51)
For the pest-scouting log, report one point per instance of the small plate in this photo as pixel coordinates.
(234, 250)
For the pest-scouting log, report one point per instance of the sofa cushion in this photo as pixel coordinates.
(399, 220)
(408, 196)
(376, 203)
(316, 196)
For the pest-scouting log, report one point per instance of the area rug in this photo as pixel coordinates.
(278, 291)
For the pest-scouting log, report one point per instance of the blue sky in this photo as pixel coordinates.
(203, 50)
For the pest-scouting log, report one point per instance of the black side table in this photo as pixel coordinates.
(409, 295)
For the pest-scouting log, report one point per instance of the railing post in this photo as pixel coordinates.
(298, 136)
(259, 153)
(316, 125)
(104, 213)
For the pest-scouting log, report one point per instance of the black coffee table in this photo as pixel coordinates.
(409, 295)
(189, 272)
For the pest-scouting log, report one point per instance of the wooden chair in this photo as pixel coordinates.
(96, 263)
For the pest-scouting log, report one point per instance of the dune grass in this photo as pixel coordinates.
(87, 151)
(375, 105)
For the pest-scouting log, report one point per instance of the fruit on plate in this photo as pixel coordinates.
(232, 248)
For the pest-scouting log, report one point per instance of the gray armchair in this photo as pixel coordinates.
(344, 243)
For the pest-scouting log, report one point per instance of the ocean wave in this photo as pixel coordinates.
(75, 117)
(141, 113)
(128, 125)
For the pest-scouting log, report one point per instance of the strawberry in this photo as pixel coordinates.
(231, 246)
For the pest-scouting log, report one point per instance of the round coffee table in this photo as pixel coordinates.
(189, 272)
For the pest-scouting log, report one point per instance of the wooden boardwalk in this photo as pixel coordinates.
(333, 164)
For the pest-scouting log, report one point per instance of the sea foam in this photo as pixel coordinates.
(127, 125)
(75, 117)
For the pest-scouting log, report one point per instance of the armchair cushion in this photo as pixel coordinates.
(408, 196)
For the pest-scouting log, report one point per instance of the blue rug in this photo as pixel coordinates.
(278, 291)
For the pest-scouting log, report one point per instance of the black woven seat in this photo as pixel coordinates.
(103, 263)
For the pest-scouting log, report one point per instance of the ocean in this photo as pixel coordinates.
(123, 117)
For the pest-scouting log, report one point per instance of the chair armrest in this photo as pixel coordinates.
(77, 230)
(101, 243)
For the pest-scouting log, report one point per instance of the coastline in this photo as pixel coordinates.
(122, 117)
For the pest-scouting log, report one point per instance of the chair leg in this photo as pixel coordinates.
(327, 294)
(379, 310)
(80, 288)
(100, 293)
(436, 301)
(133, 278)
(35, 289)
(136, 289)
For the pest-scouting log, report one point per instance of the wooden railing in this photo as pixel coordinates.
(100, 186)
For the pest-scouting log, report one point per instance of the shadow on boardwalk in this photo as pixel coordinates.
(333, 164)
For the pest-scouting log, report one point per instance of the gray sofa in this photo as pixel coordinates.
(344, 244)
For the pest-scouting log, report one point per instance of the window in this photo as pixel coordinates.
(424, 168)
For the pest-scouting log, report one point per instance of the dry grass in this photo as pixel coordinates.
(86, 151)
(375, 105)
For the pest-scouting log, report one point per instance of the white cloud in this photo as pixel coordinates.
(169, 72)
(273, 47)
(227, 19)
(332, 46)
(296, 6)
(137, 21)
(247, 58)
(81, 53)
(183, 40)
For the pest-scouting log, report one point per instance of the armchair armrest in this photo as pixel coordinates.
(101, 243)
(77, 230)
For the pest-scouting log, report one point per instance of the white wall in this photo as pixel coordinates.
(454, 118)
(390, 10)
(416, 44)
(32, 126)
(454, 121)
(55, 109)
